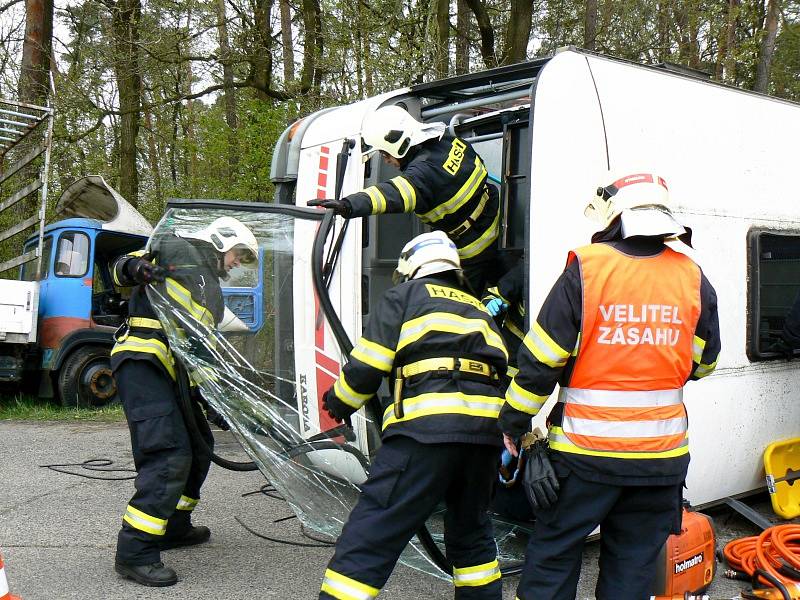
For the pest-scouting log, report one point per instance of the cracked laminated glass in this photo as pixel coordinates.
(248, 344)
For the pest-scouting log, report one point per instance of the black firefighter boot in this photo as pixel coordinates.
(181, 532)
(194, 535)
(152, 575)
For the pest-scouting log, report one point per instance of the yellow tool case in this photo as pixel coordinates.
(782, 464)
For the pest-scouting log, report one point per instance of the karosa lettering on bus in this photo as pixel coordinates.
(622, 324)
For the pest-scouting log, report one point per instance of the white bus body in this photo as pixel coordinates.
(550, 131)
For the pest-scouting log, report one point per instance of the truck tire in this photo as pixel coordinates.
(85, 379)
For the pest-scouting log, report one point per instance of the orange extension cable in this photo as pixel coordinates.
(767, 552)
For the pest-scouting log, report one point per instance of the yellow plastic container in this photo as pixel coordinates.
(782, 464)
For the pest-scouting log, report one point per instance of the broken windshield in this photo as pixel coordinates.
(264, 360)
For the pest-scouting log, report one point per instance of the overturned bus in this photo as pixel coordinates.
(549, 131)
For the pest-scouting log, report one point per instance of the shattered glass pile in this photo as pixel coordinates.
(244, 367)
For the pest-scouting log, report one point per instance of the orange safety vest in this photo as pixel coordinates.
(625, 393)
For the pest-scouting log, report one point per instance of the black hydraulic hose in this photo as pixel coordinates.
(194, 430)
(773, 580)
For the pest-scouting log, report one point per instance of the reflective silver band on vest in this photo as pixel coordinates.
(624, 429)
(621, 399)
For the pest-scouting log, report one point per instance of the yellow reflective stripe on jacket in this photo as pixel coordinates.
(524, 401)
(202, 375)
(144, 522)
(544, 349)
(492, 293)
(144, 322)
(183, 297)
(698, 345)
(442, 322)
(445, 403)
(512, 371)
(345, 588)
(470, 187)
(186, 503)
(374, 355)
(377, 199)
(558, 441)
(704, 370)
(407, 192)
(348, 395)
(513, 329)
(486, 239)
(148, 346)
(477, 575)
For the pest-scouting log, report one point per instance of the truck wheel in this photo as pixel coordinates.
(85, 379)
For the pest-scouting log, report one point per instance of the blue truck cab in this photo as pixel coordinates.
(79, 308)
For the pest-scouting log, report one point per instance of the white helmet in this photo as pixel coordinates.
(642, 202)
(227, 233)
(392, 130)
(426, 254)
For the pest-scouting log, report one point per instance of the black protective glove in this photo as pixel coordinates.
(540, 481)
(142, 271)
(782, 347)
(340, 207)
(336, 409)
(213, 417)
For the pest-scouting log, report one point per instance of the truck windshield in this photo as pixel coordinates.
(29, 270)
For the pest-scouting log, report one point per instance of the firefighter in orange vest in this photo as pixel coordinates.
(626, 325)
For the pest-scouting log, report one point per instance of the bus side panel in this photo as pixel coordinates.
(726, 175)
(317, 354)
(567, 158)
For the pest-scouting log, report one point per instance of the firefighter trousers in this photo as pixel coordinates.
(406, 483)
(171, 467)
(635, 522)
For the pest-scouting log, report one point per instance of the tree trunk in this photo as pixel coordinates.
(662, 25)
(462, 37)
(486, 30)
(152, 155)
(312, 45)
(726, 40)
(729, 62)
(442, 54)
(518, 31)
(767, 46)
(590, 25)
(286, 38)
(34, 81)
(261, 61)
(229, 92)
(126, 15)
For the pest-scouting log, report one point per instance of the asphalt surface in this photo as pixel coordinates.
(58, 532)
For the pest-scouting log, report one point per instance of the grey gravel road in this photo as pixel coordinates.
(57, 532)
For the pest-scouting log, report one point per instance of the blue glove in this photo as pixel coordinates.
(495, 306)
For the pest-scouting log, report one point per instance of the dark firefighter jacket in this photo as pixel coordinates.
(444, 183)
(559, 323)
(417, 330)
(192, 287)
(511, 290)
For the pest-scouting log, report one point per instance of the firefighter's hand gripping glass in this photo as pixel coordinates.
(539, 480)
(336, 409)
(141, 270)
(340, 207)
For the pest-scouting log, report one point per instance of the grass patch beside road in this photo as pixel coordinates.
(20, 407)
